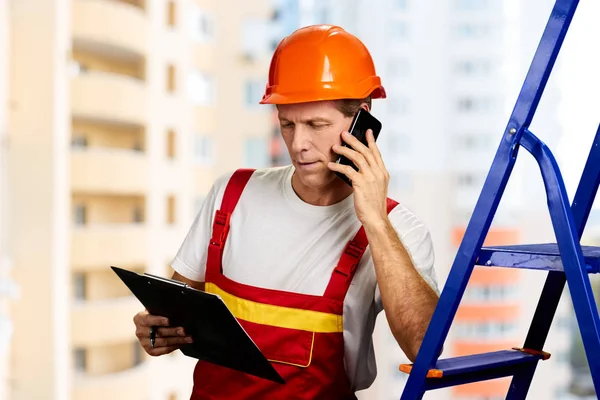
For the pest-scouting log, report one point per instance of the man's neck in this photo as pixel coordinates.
(334, 192)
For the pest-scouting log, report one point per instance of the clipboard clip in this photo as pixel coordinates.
(166, 280)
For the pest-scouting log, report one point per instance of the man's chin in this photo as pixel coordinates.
(315, 179)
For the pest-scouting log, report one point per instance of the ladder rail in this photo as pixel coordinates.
(586, 193)
(580, 209)
(555, 281)
(568, 231)
(492, 191)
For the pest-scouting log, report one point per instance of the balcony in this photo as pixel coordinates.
(109, 26)
(132, 384)
(109, 171)
(96, 247)
(107, 97)
(104, 321)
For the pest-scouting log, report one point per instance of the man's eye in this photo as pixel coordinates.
(319, 126)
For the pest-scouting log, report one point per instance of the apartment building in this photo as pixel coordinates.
(122, 114)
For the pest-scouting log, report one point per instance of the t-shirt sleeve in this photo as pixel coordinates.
(416, 239)
(190, 260)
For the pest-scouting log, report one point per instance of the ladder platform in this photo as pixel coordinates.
(477, 367)
(545, 256)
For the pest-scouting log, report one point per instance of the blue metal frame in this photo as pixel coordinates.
(555, 282)
(540, 257)
(567, 232)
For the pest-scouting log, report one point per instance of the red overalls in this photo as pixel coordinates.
(302, 335)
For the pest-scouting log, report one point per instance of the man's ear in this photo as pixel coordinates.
(365, 107)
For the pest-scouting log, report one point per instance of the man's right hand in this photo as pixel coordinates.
(168, 338)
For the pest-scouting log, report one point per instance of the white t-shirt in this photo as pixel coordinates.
(277, 241)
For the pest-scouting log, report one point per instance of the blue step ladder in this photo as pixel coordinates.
(566, 261)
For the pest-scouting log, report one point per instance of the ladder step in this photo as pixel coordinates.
(545, 256)
(478, 367)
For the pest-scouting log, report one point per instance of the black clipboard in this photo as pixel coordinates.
(218, 336)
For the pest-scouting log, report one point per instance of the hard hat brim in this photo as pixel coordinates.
(326, 93)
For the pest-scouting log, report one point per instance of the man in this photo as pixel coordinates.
(286, 248)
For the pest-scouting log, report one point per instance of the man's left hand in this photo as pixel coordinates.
(370, 182)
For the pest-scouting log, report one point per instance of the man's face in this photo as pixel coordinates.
(309, 131)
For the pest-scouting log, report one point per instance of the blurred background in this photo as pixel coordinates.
(117, 115)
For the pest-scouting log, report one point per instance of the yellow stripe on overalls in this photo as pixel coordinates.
(283, 317)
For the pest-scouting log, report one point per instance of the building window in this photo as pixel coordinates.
(80, 359)
(254, 92)
(275, 15)
(79, 286)
(203, 150)
(138, 215)
(202, 25)
(485, 329)
(171, 210)
(200, 88)
(474, 104)
(171, 14)
(256, 152)
(401, 5)
(273, 44)
(79, 141)
(171, 79)
(465, 104)
(255, 38)
(474, 67)
(472, 142)
(137, 147)
(398, 30)
(466, 180)
(171, 144)
(471, 5)
(490, 293)
(80, 214)
(472, 31)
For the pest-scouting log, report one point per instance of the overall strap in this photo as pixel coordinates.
(220, 229)
(342, 275)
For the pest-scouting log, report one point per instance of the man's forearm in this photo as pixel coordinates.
(408, 300)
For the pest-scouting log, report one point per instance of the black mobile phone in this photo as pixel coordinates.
(363, 121)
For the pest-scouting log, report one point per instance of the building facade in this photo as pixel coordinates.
(123, 113)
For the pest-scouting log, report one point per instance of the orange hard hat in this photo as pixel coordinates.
(321, 62)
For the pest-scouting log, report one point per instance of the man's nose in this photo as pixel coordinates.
(302, 139)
